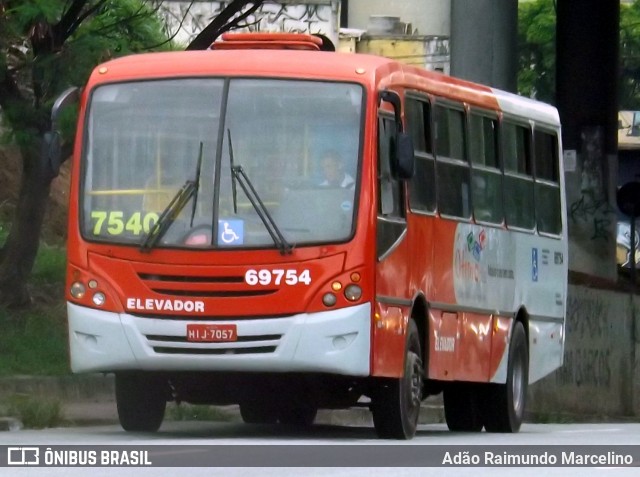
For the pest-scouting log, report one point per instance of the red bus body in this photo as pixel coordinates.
(418, 278)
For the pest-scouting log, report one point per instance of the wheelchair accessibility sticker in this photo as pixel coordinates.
(230, 232)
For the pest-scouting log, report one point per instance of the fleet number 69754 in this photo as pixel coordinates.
(277, 277)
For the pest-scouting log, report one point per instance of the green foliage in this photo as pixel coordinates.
(191, 412)
(41, 61)
(537, 55)
(35, 341)
(50, 267)
(27, 13)
(630, 56)
(122, 27)
(537, 43)
(35, 412)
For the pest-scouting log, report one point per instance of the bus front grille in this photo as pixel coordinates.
(195, 286)
(254, 344)
(214, 293)
(241, 339)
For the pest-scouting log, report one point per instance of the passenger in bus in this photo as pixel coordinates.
(334, 173)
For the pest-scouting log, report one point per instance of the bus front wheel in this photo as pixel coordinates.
(141, 401)
(505, 403)
(259, 412)
(297, 413)
(395, 404)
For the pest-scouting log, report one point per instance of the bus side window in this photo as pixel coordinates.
(518, 180)
(486, 185)
(390, 188)
(391, 223)
(452, 167)
(547, 184)
(422, 188)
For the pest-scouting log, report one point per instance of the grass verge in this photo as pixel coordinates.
(34, 412)
(196, 412)
(34, 340)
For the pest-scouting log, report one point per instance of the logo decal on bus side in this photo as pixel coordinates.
(445, 343)
(476, 245)
(534, 264)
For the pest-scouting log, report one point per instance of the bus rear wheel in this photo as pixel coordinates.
(505, 403)
(395, 404)
(462, 407)
(141, 401)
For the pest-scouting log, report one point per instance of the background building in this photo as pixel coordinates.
(186, 18)
(426, 17)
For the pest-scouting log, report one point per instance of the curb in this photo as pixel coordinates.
(89, 400)
(73, 387)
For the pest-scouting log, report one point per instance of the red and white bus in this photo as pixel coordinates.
(211, 262)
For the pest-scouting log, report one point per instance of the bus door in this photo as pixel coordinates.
(392, 270)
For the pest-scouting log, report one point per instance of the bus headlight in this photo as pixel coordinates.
(77, 290)
(353, 292)
(98, 298)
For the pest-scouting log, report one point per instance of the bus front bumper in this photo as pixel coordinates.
(336, 342)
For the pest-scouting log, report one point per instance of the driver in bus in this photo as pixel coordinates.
(334, 173)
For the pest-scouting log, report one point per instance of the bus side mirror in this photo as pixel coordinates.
(403, 154)
(405, 160)
(51, 152)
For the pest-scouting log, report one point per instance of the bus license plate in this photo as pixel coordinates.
(211, 333)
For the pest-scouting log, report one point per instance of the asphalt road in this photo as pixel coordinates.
(273, 451)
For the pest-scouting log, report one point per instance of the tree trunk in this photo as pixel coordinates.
(21, 247)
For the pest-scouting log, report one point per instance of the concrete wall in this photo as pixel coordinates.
(430, 52)
(591, 183)
(601, 372)
(484, 42)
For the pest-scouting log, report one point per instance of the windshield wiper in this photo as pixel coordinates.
(197, 183)
(168, 215)
(234, 193)
(188, 190)
(270, 224)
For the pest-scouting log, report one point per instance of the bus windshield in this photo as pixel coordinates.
(287, 149)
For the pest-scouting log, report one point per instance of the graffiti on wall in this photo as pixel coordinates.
(588, 353)
(592, 209)
(186, 19)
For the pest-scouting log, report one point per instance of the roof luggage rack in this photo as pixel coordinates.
(272, 41)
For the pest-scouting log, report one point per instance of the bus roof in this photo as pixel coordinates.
(375, 71)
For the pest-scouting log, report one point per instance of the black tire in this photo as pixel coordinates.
(395, 404)
(297, 413)
(462, 409)
(505, 403)
(259, 412)
(141, 401)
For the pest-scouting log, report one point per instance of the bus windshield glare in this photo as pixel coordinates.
(145, 140)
